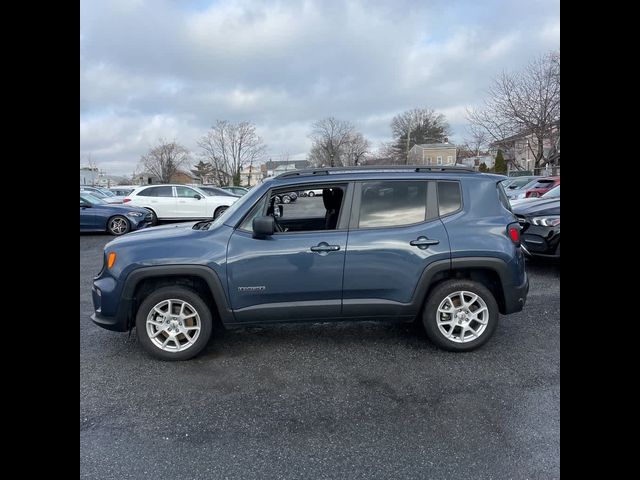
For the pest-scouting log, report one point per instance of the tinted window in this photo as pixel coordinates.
(392, 203)
(186, 192)
(449, 199)
(157, 192)
(553, 193)
(542, 184)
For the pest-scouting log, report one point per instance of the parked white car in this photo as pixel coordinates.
(178, 202)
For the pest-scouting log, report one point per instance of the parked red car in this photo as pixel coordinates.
(542, 186)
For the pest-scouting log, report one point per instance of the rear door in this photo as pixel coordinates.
(160, 199)
(394, 234)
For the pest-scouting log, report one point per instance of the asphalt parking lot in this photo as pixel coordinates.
(350, 400)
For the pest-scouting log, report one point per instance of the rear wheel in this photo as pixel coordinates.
(460, 315)
(312, 194)
(219, 211)
(154, 217)
(174, 323)
(118, 225)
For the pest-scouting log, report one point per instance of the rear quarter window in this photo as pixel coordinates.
(449, 197)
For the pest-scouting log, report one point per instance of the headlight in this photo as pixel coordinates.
(549, 221)
(134, 214)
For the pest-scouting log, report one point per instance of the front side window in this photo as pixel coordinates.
(392, 203)
(320, 211)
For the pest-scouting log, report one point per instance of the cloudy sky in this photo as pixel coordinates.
(158, 68)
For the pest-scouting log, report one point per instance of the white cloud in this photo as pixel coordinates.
(166, 68)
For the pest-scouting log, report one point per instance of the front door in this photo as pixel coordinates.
(188, 206)
(295, 274)
(394, 234)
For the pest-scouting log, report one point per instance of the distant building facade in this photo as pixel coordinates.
(438, 154)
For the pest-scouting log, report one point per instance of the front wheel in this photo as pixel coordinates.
(118, 225)
(154, 217)
(312, 194)
(460, 315)
(174, 323)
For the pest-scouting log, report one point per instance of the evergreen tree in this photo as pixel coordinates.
(483, 167)
(500, 165)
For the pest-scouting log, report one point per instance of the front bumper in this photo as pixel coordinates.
(118, 322)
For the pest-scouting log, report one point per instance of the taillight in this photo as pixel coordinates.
(126, 200)
(513, 231)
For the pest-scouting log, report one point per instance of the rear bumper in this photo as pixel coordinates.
(515, 297)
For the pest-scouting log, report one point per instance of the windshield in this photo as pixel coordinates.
(553, 193)
(90, 198)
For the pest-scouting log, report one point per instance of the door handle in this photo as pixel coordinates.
(325, 247)
(423, 242)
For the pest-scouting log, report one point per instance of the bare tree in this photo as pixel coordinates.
(165, 159)
(330, 137)
(230, 146)
(355, 149)
(417, 126)
(524, 103)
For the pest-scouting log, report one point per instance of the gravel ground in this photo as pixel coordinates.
(348, 400)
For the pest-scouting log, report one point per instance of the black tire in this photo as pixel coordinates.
(118, 225)
(154, 217)
(312, 194)
(185, 295)
(219, 211)
(430, 318)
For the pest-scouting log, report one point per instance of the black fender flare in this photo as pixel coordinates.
(163, 271)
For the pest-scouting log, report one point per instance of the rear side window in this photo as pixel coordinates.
(449, 197)
(157, 192)
(392, 203)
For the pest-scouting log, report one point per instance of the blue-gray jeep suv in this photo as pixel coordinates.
(434, 244)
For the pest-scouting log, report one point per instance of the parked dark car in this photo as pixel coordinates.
(537, 188)
(514, 183)
(540, 225)
(209, 189)
(436, 244)
(240, 191)
(96, 215)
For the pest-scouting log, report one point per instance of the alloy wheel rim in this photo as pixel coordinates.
(462, 316)
(118, 225)
(173, 325)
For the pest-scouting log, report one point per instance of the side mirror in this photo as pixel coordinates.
(197, 196)
(263, 227)
(84, 205)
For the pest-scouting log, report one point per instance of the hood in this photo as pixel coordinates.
(542, 206)
(173, 230)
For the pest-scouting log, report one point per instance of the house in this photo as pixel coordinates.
(184, 177)
(89, 175)
(477, 160)
(519, 150)
(251, 176)
(275, 167)
(145, 178)
(433, 154)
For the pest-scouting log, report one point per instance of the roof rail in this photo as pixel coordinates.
(374, 168)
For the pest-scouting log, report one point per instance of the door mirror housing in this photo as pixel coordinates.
(84, 204)
(197, 196)
(263, 227)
